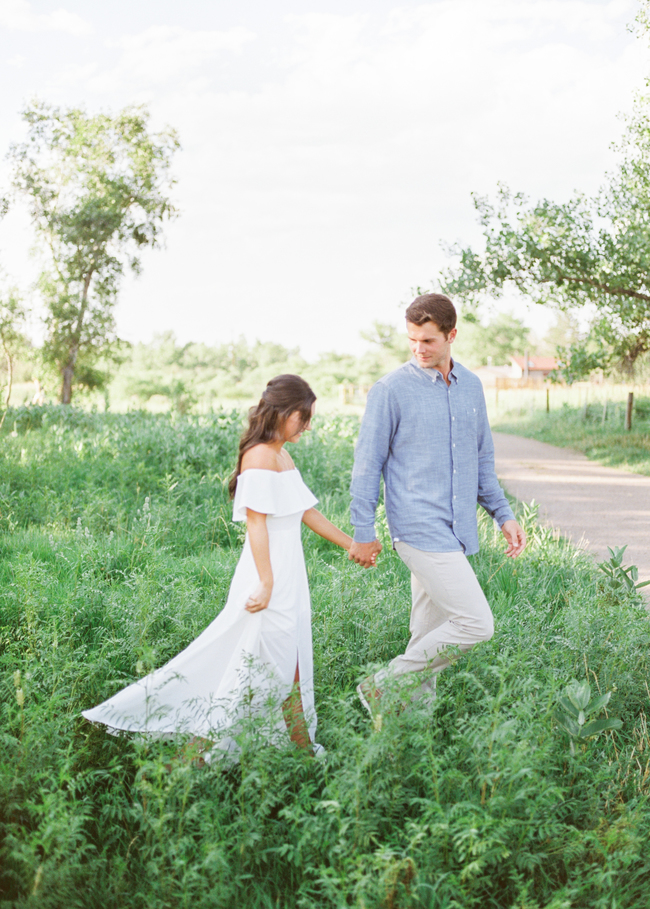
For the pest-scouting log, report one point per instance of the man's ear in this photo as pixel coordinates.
(452, 334)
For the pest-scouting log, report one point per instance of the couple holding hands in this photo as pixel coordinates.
(425, 430)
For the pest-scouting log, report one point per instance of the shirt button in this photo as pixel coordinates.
(453, 444)
(453, 418)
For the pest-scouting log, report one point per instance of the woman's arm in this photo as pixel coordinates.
(324, 528)
(258, 536)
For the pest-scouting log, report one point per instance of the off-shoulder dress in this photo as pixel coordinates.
(243, 664)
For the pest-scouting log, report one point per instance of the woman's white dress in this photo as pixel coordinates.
(243, 665)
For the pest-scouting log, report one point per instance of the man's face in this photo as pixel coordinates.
(429, 346)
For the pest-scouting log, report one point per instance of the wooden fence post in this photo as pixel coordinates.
(548, 400)
(628, 412)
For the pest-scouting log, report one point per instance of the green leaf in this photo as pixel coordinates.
(600, 726)
(569, 724)
(598, 703)
(579, 693)
(568, 706)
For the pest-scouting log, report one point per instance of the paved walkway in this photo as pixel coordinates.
(594, 506)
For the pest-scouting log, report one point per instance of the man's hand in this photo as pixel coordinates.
(365, 554)
(515, 537)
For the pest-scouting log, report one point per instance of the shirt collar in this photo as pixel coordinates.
(435, 374)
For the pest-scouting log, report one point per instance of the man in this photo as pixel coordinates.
(425, 430)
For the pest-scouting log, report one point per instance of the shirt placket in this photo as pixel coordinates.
(453, 432)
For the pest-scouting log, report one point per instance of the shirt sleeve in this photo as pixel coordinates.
(490, 494)
(373, 446)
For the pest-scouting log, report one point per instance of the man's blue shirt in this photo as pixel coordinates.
(433, 445)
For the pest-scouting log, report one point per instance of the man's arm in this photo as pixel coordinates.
(371, 452)
(490, 494)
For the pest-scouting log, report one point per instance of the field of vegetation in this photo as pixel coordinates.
(117, 549)
(593, 425)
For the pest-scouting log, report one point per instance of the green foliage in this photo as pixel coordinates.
(113, 564)
(593, 429)
(479, 343)
(577, 362)
(96, 187)
(587, 252)
(575, 705)
(556, 254)
(12, 337)
(618, 574)
(180, 376)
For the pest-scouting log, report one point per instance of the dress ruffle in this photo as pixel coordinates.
(271, 492)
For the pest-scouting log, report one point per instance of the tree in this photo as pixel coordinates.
(389, 338)
(97, 187)
(587, 252)
(558, 254)
(497, 340)
(12, 338)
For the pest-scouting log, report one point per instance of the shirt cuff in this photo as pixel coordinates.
(365, 534)
(503, 515)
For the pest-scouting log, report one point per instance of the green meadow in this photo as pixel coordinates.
(595, 426)
(117, 549)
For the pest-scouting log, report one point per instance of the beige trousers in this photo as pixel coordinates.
(449, 609)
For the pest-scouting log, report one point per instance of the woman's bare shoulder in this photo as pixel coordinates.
(260, 457)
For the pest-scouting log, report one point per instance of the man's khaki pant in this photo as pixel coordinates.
(449, 610)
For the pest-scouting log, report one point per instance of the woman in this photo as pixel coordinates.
(255, 659)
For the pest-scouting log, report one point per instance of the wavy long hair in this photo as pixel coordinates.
(283, 396)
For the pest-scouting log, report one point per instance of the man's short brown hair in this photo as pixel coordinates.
(436, 308)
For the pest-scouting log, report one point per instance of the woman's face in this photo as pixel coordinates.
(294, 425)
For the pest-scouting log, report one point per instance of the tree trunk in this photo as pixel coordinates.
(68, 369)
(10, 381)
(68, 376)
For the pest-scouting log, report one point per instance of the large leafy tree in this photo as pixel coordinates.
(588, 253)
(98, 189)
(591, 253)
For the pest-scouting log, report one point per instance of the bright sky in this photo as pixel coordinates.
(328, 145)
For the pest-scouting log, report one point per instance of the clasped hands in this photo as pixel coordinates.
(365, 554)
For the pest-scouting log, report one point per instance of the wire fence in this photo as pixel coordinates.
(609, 401)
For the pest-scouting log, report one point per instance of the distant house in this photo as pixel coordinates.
(532, 367)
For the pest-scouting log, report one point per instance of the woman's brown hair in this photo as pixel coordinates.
(282, 396)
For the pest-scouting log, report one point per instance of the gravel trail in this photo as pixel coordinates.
(593, 506)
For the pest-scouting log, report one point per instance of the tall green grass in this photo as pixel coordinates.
(596, 429)
(117, 549)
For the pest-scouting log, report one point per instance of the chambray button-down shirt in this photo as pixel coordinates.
(433, 446)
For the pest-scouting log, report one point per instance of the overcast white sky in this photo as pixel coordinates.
(328, 145)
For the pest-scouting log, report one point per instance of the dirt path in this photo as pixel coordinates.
(594, 506)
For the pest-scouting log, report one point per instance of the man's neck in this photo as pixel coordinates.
(444, 371)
